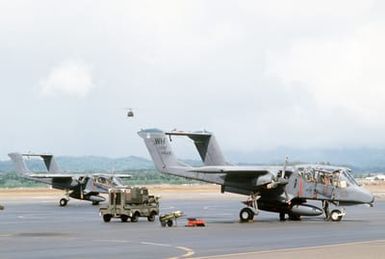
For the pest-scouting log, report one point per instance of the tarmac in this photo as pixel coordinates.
(38, 228)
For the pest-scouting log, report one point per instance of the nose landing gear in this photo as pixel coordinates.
(335, 215)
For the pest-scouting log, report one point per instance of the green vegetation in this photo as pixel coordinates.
(139, 177)
(12, 180)
(153, 177)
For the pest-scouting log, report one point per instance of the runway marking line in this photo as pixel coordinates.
(287, 249)
(188, 252)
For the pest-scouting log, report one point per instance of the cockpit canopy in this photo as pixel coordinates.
(338, 177)
(108, 181)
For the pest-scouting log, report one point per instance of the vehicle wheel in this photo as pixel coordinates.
(282, 216)
(107, 217)
(246, 214)
(163, 223)
(63, 202)
(151, 218)
(169, 223)
(123, 218)
(135, 217)
(335, 215)
(95, 203)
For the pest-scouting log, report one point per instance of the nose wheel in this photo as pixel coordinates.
(335, 215)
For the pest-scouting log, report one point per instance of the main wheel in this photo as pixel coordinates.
(63, 202)
(294, 217)
(107, 217)
(134, 218)
(246, 214)
(169, 223)
(163, 223)
(282, 216)
(151, 218)
(123, 218)
(335, 215)
(95, 203)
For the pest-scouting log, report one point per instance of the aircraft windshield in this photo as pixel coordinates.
(348, 177)
(328, 176)
(117, 181)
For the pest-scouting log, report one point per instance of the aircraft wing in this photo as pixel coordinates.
(231, 170)
(125, 176)
(52, 176)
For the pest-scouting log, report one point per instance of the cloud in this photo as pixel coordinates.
(342, 73)
(70, 78)
(344, 77)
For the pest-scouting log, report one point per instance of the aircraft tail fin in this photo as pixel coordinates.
(207, 146)
(160, 150)
(20, 166)
(50, 163)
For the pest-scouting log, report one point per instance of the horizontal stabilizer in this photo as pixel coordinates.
(206, 144)
(49, 161)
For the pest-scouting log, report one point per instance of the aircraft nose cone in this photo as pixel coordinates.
(367, 197)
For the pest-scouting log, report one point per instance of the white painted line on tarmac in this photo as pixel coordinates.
(285, 250)
(155, 244)
(188, 252)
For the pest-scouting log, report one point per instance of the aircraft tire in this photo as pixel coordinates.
(95, 203)
(282, 216)
(123, 218)
(163, 223)
(63, 202)
(170, 223)
(335, 215)
(246, 214)
(294, 217)
(107, 217)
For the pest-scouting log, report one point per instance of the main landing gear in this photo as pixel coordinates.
(247, 214)
(63, 201)
(334, 215)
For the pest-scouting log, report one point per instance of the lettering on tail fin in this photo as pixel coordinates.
(162, 146)
(160, 141)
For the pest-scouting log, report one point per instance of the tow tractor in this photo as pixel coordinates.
(130, 203)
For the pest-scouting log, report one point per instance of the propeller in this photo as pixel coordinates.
(81, 181)
(284, 167)
(283, 177)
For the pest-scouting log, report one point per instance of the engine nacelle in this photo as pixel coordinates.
(306, 210)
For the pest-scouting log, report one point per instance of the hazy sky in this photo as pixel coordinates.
(260, 74)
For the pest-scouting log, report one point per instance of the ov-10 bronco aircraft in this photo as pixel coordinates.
(82, 187)
(284, 189)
